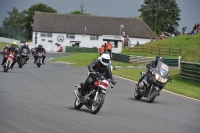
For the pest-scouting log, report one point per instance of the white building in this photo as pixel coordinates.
(52, 30)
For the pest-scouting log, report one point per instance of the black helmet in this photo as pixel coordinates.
(159, 58)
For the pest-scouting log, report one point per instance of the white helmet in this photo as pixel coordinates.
(105, 59)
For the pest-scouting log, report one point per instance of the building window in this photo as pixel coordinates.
(45, 34)
(49, 34)
(71, 36)
(94, 38)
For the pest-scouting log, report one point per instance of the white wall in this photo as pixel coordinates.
(84, 41)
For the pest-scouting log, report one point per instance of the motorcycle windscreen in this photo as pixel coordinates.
(163, 69)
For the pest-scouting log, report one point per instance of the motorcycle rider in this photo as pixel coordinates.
(25, 46)
(14, 50)
(99, 65)
(152, 64)
(40, 49)
(4, 50)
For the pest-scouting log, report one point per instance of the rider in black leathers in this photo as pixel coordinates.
(152, 64)
(25, 46)
(100, 65)
(13, 50)
(3, 52)
(40, 49)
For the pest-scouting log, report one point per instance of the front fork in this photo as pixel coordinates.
(99, 90)
(154, 87)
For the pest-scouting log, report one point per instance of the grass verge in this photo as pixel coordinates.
(178, 85)
(3, 45)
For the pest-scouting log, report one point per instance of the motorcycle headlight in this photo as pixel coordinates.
(160, 79)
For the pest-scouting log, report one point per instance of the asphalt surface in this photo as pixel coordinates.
(40, 100)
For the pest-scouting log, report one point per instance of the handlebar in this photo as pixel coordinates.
(99, 76)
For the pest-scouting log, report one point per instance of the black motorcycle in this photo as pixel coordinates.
(22, 57)
(95, 94)
(152, 82)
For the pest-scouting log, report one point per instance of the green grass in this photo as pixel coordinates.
(84, 59)
(178, 85)
(190, 46)
(2, 45)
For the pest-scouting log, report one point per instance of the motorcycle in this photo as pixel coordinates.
(33, 51)
(152, 82)
(22, 57)
(95, 94)
(9, 61)
(39, 59)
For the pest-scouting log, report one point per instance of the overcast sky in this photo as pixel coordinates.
(190, 13)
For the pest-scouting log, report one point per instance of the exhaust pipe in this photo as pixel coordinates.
(76, 95)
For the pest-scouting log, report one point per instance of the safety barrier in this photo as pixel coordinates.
(142, 59)
(120, 57)
(80, 49)
(155, 50)
(190, 70)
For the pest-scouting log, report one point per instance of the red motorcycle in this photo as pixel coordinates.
(95, 94)
(9, 61)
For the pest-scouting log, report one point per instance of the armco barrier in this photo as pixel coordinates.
(190, 70)
(120, 57)
(142, 60)
(80, 49)
(171, 62)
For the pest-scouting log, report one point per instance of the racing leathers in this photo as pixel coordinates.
(42, 50)
(96, 66)
(25, 47)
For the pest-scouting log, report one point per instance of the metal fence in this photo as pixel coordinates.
(156, 50)
(190, 70)
(13, 33)
(80, 49)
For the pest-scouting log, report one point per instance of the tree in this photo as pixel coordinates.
(30, 14)
(160, 15)
(81, 12)
(14, 20)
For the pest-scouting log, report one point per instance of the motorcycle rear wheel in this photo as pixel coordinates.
(96, 105)
(77, 104)
(151, 97)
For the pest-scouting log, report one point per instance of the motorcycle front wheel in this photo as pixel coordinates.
(151, 96)
(6, 68)
(96, 105)
(77, 104)
(137, 95)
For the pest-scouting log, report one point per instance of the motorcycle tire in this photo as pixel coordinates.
(38, 65)
(137, 95)
(96, 106)
(151, 97)
(5, 69)
(77, 104)
(20, 62)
